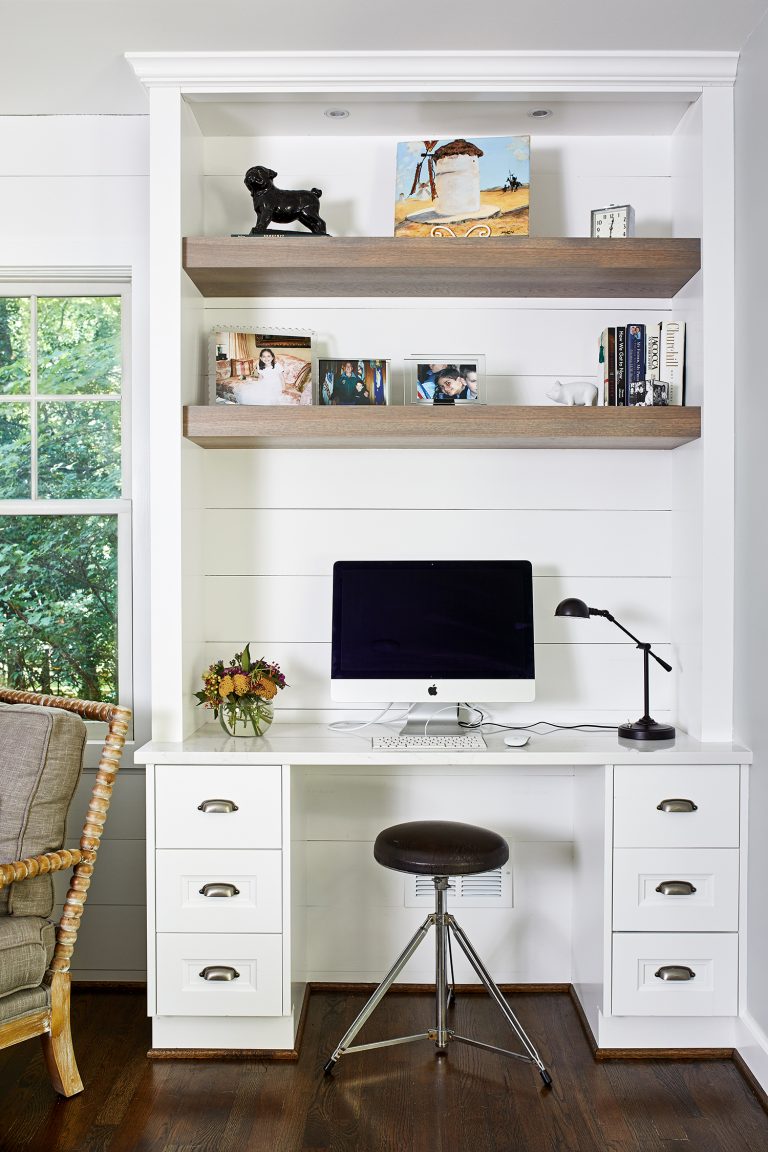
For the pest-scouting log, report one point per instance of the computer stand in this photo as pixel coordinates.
(436, 720)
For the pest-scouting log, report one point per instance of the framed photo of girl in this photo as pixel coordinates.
(350, 381)
(260, 366)
(456, 377)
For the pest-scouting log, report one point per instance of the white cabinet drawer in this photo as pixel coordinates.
(221, 806)
(712, 791)
(217, 890)
(255, 990)
(639, 991)
(639, 906)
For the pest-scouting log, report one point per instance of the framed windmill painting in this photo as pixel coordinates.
(457, 187)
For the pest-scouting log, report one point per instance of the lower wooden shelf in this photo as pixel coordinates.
(422, 426)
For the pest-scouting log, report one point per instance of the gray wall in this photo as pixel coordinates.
(66, 56)
(751, 651)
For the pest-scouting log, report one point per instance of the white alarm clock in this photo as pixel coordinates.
(615, 222)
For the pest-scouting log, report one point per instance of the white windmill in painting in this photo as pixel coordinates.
(454, 183)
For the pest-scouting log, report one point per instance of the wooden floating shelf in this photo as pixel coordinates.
(502, 266)
(423, 426)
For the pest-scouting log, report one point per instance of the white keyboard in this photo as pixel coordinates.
(469, 742)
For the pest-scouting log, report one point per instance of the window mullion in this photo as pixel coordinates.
(33, 396)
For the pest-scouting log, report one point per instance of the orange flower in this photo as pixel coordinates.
(242, 683)
(265, 688)
(226, 686)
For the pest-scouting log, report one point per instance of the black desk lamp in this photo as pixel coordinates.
(645, 728)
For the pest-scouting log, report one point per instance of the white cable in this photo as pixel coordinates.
(352, 726)
(447, 708)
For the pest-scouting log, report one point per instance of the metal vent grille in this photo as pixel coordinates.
(481, 890)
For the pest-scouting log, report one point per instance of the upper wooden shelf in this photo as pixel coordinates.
(423, 426)
(420, 266)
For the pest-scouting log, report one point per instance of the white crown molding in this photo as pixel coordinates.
(378, 72)
(32, 276)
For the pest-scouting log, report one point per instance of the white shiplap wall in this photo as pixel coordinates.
(73, 195)
(276, 521)
(262, 529)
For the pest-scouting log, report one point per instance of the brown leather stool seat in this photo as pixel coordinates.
(440, 848)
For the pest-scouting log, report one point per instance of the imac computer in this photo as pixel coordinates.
(432, 632)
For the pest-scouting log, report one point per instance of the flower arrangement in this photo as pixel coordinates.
(241, 693)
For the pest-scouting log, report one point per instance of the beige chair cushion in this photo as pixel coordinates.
(22, 1003)
(26, 949)
(41, 754)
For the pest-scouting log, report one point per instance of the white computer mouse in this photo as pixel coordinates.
(516, 739)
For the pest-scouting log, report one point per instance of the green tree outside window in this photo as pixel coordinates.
(60, 439)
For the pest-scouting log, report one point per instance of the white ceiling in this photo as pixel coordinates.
(66, 56)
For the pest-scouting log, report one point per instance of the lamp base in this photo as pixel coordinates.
(646, 729)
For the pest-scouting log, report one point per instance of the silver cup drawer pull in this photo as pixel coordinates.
(219, 972)
(677, 805)
(676, 888)
(219, 890)
(675, 972)
(217, 806)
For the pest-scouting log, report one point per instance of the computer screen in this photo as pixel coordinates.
(432, 630)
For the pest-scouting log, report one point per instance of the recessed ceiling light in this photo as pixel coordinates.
(540, 113)
(336, 113)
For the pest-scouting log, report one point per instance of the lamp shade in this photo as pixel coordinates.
(572, 607)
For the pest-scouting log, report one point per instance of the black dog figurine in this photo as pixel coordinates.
(282, 206)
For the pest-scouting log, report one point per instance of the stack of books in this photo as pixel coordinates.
(643, 363)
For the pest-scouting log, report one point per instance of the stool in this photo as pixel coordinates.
(440, 849)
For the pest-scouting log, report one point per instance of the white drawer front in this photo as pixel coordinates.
(638, 905)
(252, 806)
(255, 991)
(638, 991)
(215, 890)
(638, 822)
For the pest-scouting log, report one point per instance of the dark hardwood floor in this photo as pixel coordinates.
(400, 1099)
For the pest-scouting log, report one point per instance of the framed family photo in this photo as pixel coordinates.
(457, 378)
(260, 366)
(354, 382)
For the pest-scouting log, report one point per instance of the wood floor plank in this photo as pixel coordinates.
(397, 1099)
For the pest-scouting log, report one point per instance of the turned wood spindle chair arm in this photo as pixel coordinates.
(83, 859)
(38, 865)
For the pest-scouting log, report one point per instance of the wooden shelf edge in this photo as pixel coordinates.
(505, 266)
(417, 426)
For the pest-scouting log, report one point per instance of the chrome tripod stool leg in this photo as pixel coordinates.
(531, 1054)
(370, 1007)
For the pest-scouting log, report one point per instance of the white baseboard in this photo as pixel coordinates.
(753, 1049)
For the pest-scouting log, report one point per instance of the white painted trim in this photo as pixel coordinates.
(27, 280)
(718, 451)
(28, 507)
(753, 1049)
(489, 71)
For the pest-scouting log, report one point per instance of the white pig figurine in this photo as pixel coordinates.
(579, 392)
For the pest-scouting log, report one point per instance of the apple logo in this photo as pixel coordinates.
(432, 690)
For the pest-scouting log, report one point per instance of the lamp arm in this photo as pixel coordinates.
(645, 647)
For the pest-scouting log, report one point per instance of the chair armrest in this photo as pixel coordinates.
(39, 865)
(84, 857)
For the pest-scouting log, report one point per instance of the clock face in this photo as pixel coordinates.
(610, 223)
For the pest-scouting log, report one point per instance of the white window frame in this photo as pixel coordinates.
(122, 507)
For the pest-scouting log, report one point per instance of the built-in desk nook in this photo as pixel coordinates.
(623, 876)
(609, 883)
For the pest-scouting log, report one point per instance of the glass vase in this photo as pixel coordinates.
(250, 717)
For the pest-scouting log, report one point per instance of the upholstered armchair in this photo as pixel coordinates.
(42, 739)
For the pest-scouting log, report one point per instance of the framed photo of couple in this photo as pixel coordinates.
(445, 378)
(260, 366)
